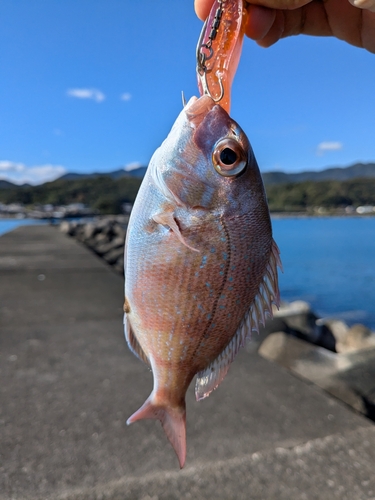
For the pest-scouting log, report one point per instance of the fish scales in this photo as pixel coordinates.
(200, 261)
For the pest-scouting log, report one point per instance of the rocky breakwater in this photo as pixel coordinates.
(104, 235)
(336, 357)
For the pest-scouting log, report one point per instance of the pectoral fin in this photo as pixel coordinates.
(168, 218)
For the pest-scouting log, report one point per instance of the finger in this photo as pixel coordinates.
(259, 21)
(202, 8)
(368, 31)
(281, 4)
(309, 20)
(330, 18)
(364, 4)
(275, 32)
(346, 21)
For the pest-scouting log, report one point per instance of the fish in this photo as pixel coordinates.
(200, 261)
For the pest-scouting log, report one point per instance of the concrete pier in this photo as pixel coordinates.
(68, 383)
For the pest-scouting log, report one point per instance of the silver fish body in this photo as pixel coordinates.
(200, 261)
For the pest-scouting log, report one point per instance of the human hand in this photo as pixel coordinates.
(271, 20)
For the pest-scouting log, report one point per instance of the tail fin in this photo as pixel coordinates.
(173, 420)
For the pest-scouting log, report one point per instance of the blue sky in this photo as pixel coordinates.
(95, 85)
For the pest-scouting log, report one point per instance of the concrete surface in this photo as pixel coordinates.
(68, 384)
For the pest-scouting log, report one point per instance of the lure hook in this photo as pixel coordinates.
(206, 90)
(202, 57)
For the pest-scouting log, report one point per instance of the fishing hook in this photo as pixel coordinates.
(206, 90)
(202, 69)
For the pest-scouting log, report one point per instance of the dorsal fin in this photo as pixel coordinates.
(132, 341)
(261, 307)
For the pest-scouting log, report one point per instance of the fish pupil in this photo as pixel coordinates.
(228, 156)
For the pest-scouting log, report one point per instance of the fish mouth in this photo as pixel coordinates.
(197, 109)
(209, 121)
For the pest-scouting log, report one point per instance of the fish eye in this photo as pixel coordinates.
(229, 158)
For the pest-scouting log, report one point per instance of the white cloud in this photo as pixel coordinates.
(94, 94)
(327, 146)
(19, 173)
(132, 166)
(126, 96)
(11, 166)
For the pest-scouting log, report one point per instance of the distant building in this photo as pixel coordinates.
(365, 209)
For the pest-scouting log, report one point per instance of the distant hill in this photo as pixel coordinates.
(101, 193)
(105, 194)
(356, 171)
(327, 195)
(7, 185)
(114, 174)
(137, 172)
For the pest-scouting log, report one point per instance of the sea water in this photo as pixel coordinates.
(7, 225)
(330, 263)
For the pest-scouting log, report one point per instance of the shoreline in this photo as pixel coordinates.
(304, 215)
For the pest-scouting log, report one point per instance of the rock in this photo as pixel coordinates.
(298, 316)
(123, 220)
(104, 248)
(349, 377)
(338, 328)
(68, 228)
(324, 337)
(105, 226)
(105, 236)
(119, 265)
(80, 233)
(112, 256)
(358, 337)
(117, 242)
(290, 308)
(65, 227)
(91, 243)
(305, 324)
(283, 348)
(89, 230)
(101, 238)
(350, 339)
(119, 231)
(271, 326)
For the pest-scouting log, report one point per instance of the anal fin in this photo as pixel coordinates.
(132, 341)
(210, 378)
